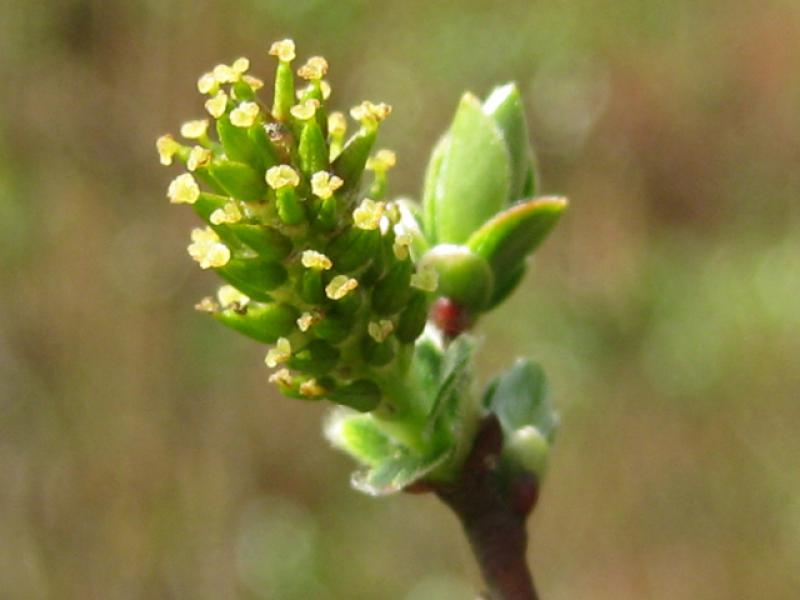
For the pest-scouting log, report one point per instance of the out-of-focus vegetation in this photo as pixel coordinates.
(142, 454)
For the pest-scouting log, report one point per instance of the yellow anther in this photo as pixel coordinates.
(315, 68)
(382, 161)
(183, 190)
(207, 249)
(207, 84)
(311, 259)
(368, 214)
(229, 213)
(369, 114)
(426, 279)
(254, 82)
(230, 296)
(194, 130)
(380, 330)
(245, 114)
(240, 65)
(198, 157)
(402, 241)
(225, 74)
(279, 354)
(305, 321)
(282, 377)
(325, 88)
(337, 124)
(306, 110)
(167, 147)
(216, 105)
(282, 176)
(323, 184)
(312, 389)
(207, 305)
(340, 286)
(283, 49)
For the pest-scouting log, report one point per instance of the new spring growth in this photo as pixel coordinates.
(315, 262)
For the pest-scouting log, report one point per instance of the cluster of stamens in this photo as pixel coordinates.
(317, 263)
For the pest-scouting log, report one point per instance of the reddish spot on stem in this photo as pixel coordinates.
(450, 317)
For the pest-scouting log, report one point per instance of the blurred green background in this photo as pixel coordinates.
(142, 453)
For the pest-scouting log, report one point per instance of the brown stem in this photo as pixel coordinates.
(493, 507)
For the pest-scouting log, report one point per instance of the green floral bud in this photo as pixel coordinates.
(350, 163)
(377, 353)
(313, 149)
(412, 319)
(392, 292)
(237, 143)
(464, 276)
(317, 358)
(354, 247)
(253, 277)
(262, 322)
(267, 154)
(362, 395)
(239, 180)
(529, 449)
(333, 328)
(268, 242)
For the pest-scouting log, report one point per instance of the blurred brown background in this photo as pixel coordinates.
(142, 453)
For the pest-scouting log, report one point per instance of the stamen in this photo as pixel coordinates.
(194, 130)
(207, 84)
(283, 49)
(245, 114)
(312, 389)
(305, 321)
(229, 213)
(198, 157)
(315, 69)
(368, 214)
(282, 176)
(306, 110)
(279, 354)
(323, 184)
(311, 259)
(426, 279)
(380, 330)
(340, 286)
(167, 148)
(216, 105)
(207, 249)
(230, 296)
(183, 190)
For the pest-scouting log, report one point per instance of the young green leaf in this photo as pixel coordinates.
(504, 106)
(475, 174)
(519, 399)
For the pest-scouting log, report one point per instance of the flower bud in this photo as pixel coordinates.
(392, 292)
(239, 180)
(262, 322)
(464, 276)
(362, 395)
(529, 449)
(253, 277)
(317, 358)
